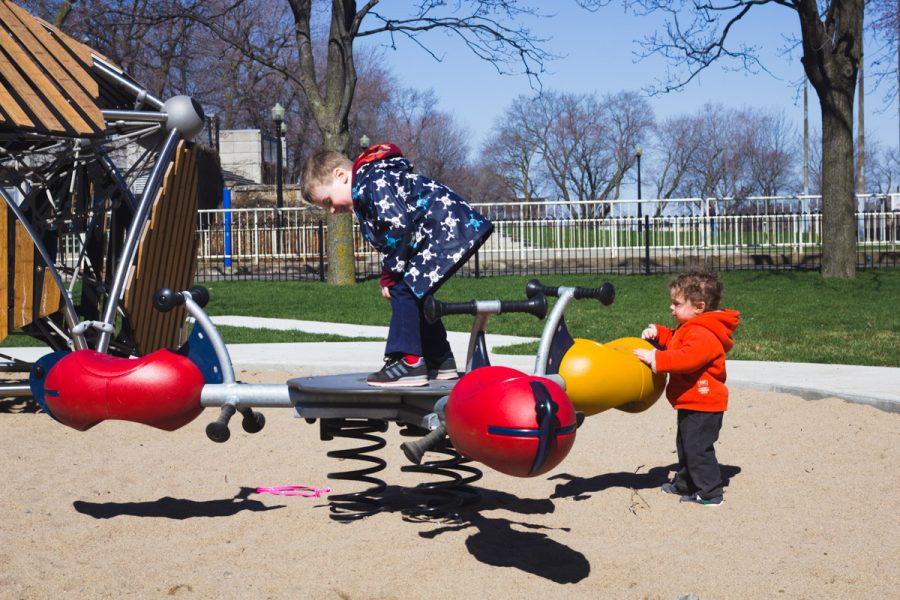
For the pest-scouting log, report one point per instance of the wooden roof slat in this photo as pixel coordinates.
(45, 86)
(51, 37)
(11, 107)
(23, 88)
(56, 59)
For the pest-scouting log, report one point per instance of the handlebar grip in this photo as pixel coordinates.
(536, 306)
(165, 299)
(200, 295)
(415, 450)
(606, 293)
(435, 309)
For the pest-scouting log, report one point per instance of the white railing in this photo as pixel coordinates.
(528, 233)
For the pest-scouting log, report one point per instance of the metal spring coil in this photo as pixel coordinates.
(442, 498)
(356, 505)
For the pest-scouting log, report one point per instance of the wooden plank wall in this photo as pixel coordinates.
(167, 256)
(46, 85)
(27, 290)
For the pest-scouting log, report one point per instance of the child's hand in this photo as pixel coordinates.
(386, 292)
(648, 357)
(650, 332)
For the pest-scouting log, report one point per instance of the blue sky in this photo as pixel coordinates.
(599, 55)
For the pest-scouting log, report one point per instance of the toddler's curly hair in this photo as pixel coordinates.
(700, 285)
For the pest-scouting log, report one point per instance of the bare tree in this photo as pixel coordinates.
(771, 152)
(883, 20)
(697, 35)
(571, 147)
(676, 146)
(512, 149)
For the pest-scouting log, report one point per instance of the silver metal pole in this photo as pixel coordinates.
(129, 251)
(246, 395)
(566, 295)
(70, 314)
(141, 95)
(139, 116)
(215, 338)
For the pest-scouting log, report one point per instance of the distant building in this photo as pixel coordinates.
(250, 155)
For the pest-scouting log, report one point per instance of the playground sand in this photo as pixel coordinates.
(126, 511)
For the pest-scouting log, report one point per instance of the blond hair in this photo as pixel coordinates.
(699, 285)
(318, 169)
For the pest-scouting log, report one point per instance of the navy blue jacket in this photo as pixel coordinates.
(423, 230)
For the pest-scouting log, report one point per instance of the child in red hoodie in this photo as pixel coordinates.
(694, 356)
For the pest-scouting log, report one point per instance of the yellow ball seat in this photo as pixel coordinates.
(603, 376)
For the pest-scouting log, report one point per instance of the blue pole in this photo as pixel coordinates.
(226, 204)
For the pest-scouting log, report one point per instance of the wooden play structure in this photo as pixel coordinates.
(99, 181)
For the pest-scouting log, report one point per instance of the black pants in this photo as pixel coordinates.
(698, 469)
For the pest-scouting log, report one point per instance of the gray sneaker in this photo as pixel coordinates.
(696, 499)
(671, 488)
(397, 372)
(445, 370)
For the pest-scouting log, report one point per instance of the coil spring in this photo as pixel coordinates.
(356, 505)
(442, 498)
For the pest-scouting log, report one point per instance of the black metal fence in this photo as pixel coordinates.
(600, 237)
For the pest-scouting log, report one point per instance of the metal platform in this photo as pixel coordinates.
(349, 396)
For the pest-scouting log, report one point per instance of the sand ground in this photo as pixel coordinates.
(127, 511)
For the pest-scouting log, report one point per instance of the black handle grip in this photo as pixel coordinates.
(165, 299)
(415, 450)
(435, 309)
(606, 293)
(218, 431)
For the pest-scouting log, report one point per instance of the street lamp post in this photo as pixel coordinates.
(643, 227)
(637, 152)
(278, 120)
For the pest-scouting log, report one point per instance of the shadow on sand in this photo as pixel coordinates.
(580, 488)
(175, 508)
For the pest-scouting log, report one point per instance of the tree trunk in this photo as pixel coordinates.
(838, 197)
(341, 266)
(832, 53)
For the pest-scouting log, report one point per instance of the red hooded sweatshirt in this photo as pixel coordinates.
(694, 355)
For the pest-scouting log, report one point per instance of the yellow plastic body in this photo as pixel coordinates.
(603, 376)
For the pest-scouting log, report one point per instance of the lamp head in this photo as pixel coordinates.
(278, 113)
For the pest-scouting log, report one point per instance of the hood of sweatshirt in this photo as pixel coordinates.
(721, 323)
(377, 152)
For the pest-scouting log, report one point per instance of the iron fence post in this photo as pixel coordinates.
(647, 244)
(321, 236)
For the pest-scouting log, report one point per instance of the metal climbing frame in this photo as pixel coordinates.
(99, 182)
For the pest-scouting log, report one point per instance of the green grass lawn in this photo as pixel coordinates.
(786, 316)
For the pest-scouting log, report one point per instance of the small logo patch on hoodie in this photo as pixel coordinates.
(703, 386)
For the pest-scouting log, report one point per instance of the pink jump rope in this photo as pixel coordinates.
(294, 490)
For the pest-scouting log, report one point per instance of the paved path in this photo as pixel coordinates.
(878, 386)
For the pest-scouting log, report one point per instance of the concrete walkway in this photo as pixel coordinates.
(878, 386)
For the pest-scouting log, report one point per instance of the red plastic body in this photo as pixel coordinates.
(161, 389)
(500, 397)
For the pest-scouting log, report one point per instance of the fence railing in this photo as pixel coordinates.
(601, 237)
